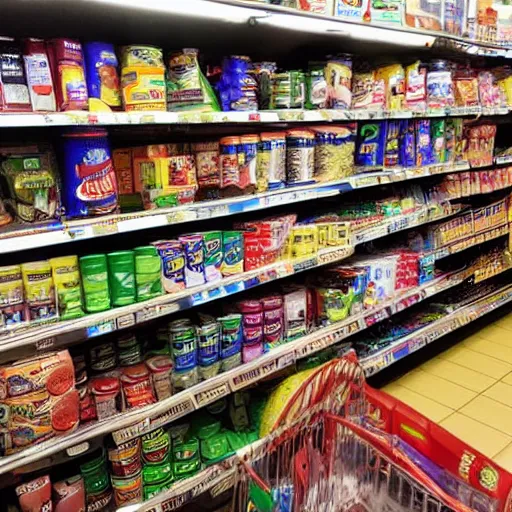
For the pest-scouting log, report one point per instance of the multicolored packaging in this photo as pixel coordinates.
(39, 290)
(12, 307)
(371, 142)
(66, 276)
(67, 65)
(233, 247)
(193, 246)
(102, 77)
(173, 264)
(338, 73)
(273, 321)
(423, 143)
(36, 495)
(438, 140)
(39, 76)
(143, 78)
(213, 255)
(89, 176)
(69, 495)
(14, 92)
(231, 341)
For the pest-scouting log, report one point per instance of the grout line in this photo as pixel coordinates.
(501, 451)
(482, 423)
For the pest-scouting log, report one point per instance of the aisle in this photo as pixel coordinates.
(468, 390)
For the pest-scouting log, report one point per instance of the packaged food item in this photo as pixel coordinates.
(39, 400)
(370, 144)
(385, 12)
(137, 386)
(231, 341)
(127, 490)
(288, 90)
(233, 247)
(121, 276)
(489, 91)
(480, 143)
(454, 16)
(295, 314)
(103, 358)
(368, 93)
(271, 169)
(66, 277)
(129, 350)
(316, 86)
(208, 349)
(36, 495)
(465, 87)
(161, 368)
(393, 76)
(213, 255)
(237, 88)
(143, 78)
(39, 76)
(439, 85)
(262, 72)
(428, 15)
(125, 459)
(103, 85)
(252, 329)
(437, 136)
(247, 157)
(338, 73)
(318, 6)
(193, 246)
(14, 92)
(187, 87)
(349, 10)
(96, 480)
(39, 290)
(12, 307)
(300, 157)
(67, 65)
(408, 144)
(69, 495)
(173, 264)
(122, 161)
(94, 272)
(206, 155)
(273, 321)
(107, 396)
(392, 148)
(416, 86)
(423, 143)
(148, 273)
(184, 353)
(89, 177)
(30, 173)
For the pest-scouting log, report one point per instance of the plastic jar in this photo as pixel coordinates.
(300, 157)
(121, 273)
(161, 368)
(125, 459)
(137, 386)
(229, 163)
(106, 391)
(439, 84)
(271, 172)
(93, 270)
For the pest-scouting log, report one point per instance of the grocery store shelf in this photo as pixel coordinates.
(85, 118)
(130, 424)
(23, 237)
(451, 322)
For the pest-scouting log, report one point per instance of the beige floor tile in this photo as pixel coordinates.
(468, 358)
(490, 412)
(504, 458)
(432, 410)
(496, 334)
(460, 375)
(483, 438)
(506, 322)
(507, 379)
(491, 349)
(500, 392)
(438, 389)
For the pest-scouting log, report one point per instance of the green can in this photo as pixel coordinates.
(121, 276)
(148, 278)
(94, 273)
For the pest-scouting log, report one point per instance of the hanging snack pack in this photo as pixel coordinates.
(39, 76)
(102, 76)
(14, 93)
(30, 183)
(187, 87)
(143, 78)
(67, 64)
(89, 177)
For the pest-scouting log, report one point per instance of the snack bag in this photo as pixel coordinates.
(12, 307)
(39, 76)
(67, 64)
(187, 87)
(39, 290)
(394, 80)
(416, 86)
(423, 143)
(350, 10)
(36, 495)
(14, 92)
(367, 92)
(102, 76)
(423, 16)
(143, 78)
(437, 135)
(370, 144)
(338, 73)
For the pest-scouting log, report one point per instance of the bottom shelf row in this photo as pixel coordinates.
(168, 467)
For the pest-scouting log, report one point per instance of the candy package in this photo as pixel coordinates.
(394, 81)
(367, 91)
(480, 144)
(39, 290)
(39, 76)
(14, 91)
(371, 142)
(416, 86)
(423, 143)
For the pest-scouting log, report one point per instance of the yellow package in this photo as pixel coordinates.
(303, 241)
(39, 290)
(66, 278)
(143, 88)
(394, 80)
(11, 285)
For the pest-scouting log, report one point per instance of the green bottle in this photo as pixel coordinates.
(148, 278)
(95, 282)
(121, 276)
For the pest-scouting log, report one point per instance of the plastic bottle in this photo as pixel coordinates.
(95, 282)
(121, 276)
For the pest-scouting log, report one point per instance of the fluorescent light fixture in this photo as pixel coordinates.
(194, 8)
(310, 24)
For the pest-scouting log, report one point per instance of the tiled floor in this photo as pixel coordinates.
(468, 390)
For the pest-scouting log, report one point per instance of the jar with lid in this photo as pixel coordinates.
(300, 157)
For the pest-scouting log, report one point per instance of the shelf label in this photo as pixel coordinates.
(127, 433)
(333, 255)
(45, 343)
(246, 378)
(101, 328)
(376, 317)
(146, 314)
(286, 360)
(105, 228)
(79, 449)
(207, 396)
(126, 321)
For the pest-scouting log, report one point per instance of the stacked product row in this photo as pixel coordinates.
(63, 75)
(97, 181)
